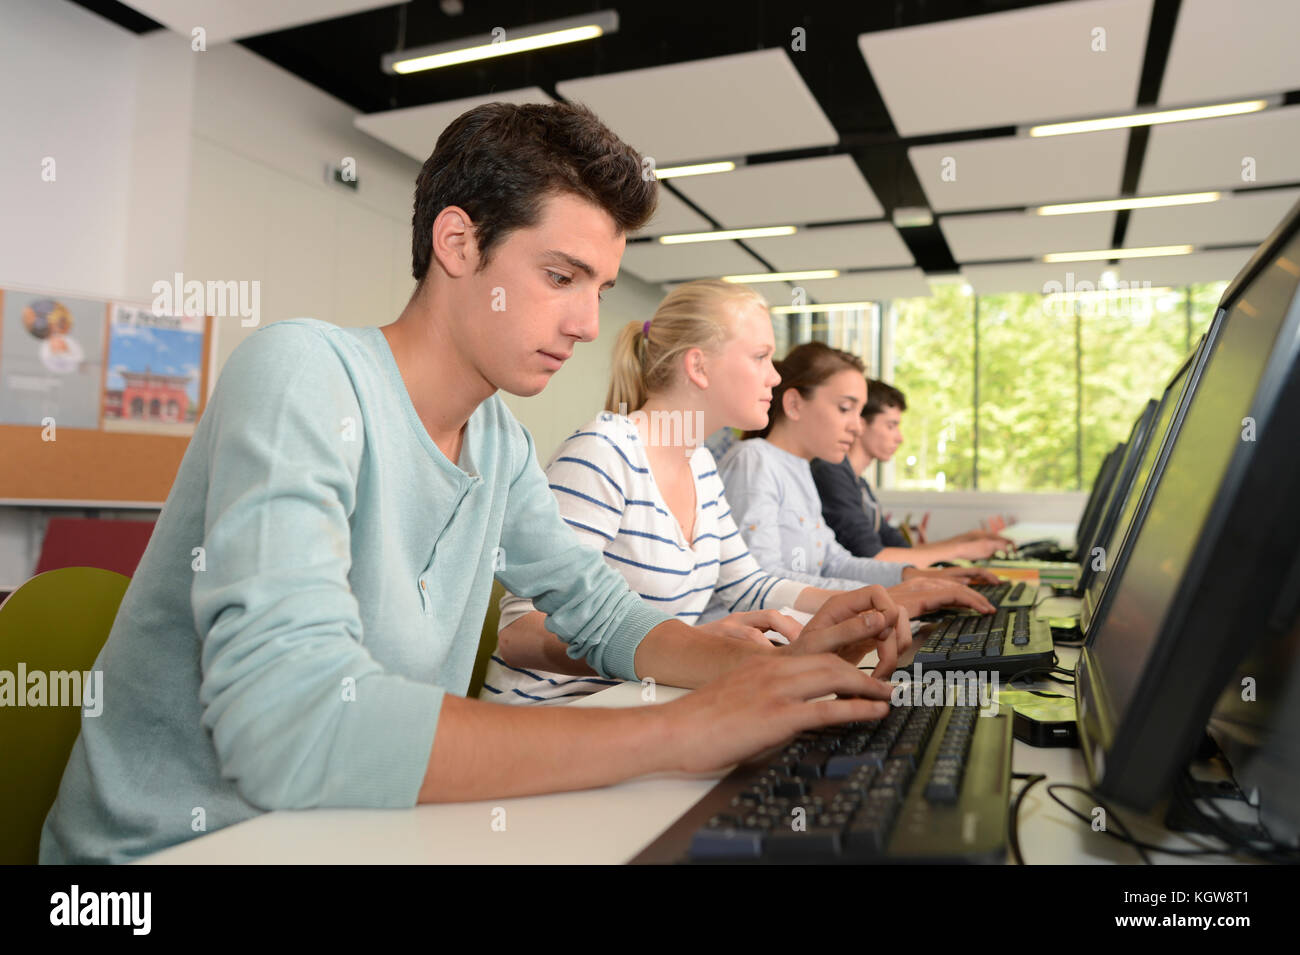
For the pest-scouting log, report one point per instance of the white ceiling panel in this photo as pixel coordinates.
(1014, 235)
(1223, 51)
(415, 129)
(869, 286)
(673, 216)
(705, 109)
(1021, 171)
(1008, 69)
(1233, 220)
(1185, 269)
(232, 19)
(1031, 276)
(785, 193)
(659, 263)
(875, 245)
(1214, 153)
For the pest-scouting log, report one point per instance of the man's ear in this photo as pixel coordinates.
(454, 244)
(792, 403)
(695, 367)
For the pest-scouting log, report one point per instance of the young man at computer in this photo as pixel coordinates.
(310, 603)
(850, 506)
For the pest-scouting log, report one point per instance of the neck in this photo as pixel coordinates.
(859, 458)
(442, 382)
(781, 437)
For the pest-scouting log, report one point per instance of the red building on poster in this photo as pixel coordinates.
(152, 397)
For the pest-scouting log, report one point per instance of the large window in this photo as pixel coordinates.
(1016, 392)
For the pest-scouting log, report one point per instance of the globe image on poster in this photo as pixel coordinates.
(45, 317)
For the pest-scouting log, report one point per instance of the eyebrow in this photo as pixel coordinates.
(577, 264)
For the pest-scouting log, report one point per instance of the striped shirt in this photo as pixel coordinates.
(606, 492)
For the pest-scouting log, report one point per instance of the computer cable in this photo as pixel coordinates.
(1032, 779)
(1124, 835)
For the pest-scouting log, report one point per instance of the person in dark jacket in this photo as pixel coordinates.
(851, 508)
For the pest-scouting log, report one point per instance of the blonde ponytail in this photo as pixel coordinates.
(646, 355)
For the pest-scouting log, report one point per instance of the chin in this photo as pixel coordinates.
(525, 387)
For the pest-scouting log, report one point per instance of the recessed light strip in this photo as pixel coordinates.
(1114, 205)
(722, 234)
(759, 278)
(1149, 119)
(1097, 254)
(831, 307)
(696, 169)
(520, 40)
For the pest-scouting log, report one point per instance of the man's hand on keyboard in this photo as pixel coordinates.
(765, 701)
(753, 625)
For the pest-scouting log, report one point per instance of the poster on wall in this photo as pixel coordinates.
(51, 355)
(152, 385)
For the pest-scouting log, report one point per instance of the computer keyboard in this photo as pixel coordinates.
(1008, 594)
(1009, 641)
(925, 784)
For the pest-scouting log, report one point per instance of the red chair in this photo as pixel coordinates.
(87, 542)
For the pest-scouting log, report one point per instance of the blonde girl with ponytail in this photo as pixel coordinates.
(638, 483)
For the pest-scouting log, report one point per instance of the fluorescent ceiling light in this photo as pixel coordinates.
(1149, 119)
(912, 217)
(1117, 253)
(698, 169)
(832, 307)
(519, 40)
(721, 234)
(1113, 205)
(760, 277)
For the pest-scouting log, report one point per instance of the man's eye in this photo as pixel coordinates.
(559, 278)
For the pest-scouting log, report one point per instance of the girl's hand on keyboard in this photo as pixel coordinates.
(962, 575)
(753, 625)
(854, 623)
(926, 595)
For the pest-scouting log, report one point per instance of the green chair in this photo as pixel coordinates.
(57, 621)
(487, 641)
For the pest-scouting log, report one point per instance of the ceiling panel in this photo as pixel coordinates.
(673, 216)
(1213, 153)
(796, 192)
(1021, 171)
(1261, 57)
(232, 19)
(874, 245)
(1164, 270)
(659, 263)
(1031, 276)
(415, 129)
(869, 286)
(1014, 235)
(1233, 220)
(1008, 69)
(718, 107)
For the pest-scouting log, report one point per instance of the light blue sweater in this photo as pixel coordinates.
(316, 583)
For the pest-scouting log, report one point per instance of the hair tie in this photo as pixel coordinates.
(645, 330)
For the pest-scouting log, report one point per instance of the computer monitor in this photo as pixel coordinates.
(1101, 488)
(1210, 559)
(1120, 489)
(1109, 564)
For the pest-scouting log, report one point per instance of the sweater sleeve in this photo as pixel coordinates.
(588, 604)
(301, 715)
(742, 584)
(842, 507)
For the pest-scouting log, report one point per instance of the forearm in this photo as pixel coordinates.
(679, 655)
(811, 599)
(922, 555)
(527, 643)
(488, 751)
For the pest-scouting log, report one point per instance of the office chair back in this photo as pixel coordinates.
(487, 641)
(55, 623)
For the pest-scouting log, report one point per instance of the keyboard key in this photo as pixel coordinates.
(726, 844)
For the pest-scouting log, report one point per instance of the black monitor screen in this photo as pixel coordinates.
(1211, 432)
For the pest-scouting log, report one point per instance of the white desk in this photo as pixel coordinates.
(1063, 534)
(608, 826)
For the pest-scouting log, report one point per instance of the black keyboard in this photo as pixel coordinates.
(1009, 641)
(1007, 594)
(925, 784)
